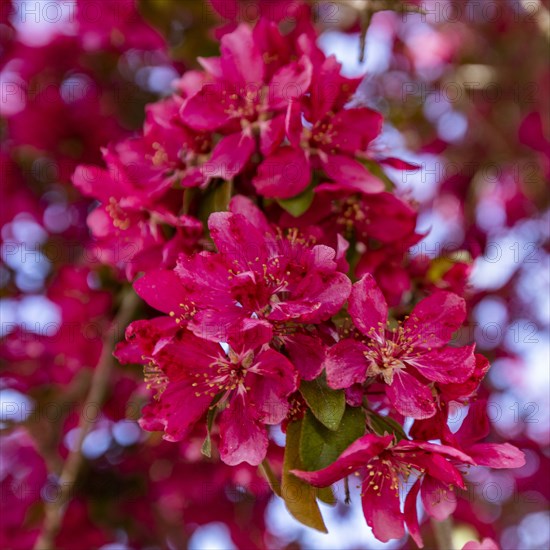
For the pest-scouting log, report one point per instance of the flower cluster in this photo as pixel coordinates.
(263, 323)
(242, 312)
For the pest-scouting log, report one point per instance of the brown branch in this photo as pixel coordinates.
(55, 510)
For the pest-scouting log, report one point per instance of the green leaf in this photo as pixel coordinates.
(269, 474)
(298, 205)
(383, 425)
(326, 404)
(216, 199)
(320, 447)
(299, 496)
(325, 494)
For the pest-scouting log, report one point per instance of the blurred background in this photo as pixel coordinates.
(465, 90)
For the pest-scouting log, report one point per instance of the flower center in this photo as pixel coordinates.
(385, 355)
(227, 373)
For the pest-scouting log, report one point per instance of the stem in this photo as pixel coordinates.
(443, 531)
(55, 510)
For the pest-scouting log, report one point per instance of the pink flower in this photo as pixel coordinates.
(384, 469)
(260, 274)
(135, 194)
(408, 357)
(337, 209)
(245, 96)
(247, 381)
(325, 135)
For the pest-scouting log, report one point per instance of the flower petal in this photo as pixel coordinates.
(438, 499)
(446, 365)
(346, 364)
(273, 378)
(229, 157)
(242, 438)
(307, 353)
(354, 129)
(161, 289)
(497, 455)
(177, 410)
(381, 506)
(284, 174)
(290, 83)
(411, 515)
(434, 320)
(410, 397)
(241, 60)
(367, 307)
(354, 457)
(351, 174)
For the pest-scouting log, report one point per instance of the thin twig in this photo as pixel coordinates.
(55, 510)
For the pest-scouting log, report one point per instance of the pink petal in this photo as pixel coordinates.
(307, 353)
(397, 163)
(436, 465)
(289, 83)
(217, 325)
(237, 239)
(356, 128)
(444, 450)
(476, 425)
(485, 544)
(96, 182)
(352, 174)
(346, 364)
(161, 289)
(272, 133)
(326, 87)
(293, 123)
(212, 65)
(207, 110)
(411, 515)
(434, 320)
(284, 174)
(388, 218)
(497, 455)
(273, 379)
(243, 205)
(229, 157)
(438, 500)
(381, 507)
(410, 397)
(317, 298)
(367, 307)
(354, 457)
(242, 438)
(241, 61)
(446, 365)
(178, 409)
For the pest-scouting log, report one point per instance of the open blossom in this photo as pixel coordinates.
(246, 380)
(383, 467)
(338, 209)
(325, 135)
(260, 274)
(407, 358)
(245, 96)
(136, 200)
